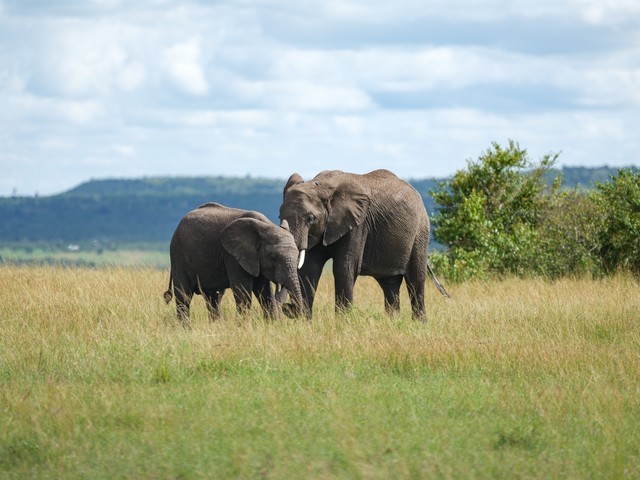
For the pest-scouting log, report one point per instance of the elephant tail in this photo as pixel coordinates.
(439, 286)
(168, 295)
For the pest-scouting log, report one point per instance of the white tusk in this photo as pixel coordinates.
(301, 259)
(278, 287)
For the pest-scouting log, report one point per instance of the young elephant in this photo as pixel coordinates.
(216, 247)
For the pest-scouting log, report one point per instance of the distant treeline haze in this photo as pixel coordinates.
(117, 211)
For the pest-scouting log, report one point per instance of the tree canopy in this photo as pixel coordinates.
(506, 214)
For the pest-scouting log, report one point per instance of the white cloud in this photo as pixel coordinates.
(612, 81)
(182, 62)
(111, 88)
(305, 95)
(609, 81)
(124, 150)
(605, 11)
(91, 59)
(596, 11)
(131, 76)
(22, 108)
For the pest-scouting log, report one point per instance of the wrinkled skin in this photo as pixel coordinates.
(373, 224)
(216, 247)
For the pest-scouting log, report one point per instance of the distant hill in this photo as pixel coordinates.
(147, 210)
(585, 177)
(177, 186)
(144, 210)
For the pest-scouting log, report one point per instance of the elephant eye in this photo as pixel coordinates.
(311, 219)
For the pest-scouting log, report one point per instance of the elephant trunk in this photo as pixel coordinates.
(297, 307)
(281, 294)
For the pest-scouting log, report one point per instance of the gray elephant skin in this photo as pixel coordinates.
(373, 224)
(216, 247)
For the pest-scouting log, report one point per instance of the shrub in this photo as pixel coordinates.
(569, 234)
(620, 237)
(488, 214)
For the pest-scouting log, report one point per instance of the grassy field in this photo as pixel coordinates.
(512, 379)
(127, 256)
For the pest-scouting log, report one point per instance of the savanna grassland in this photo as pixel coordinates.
(508, 379)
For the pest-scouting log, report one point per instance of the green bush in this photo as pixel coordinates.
(620, 237)
(488, 214)
(505, 214)
(569, 234)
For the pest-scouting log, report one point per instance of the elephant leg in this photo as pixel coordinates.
(345, 279)
(213, 304)
(242, 294)
(391, 288)
(347, 263)
(415, 278)
(183, 303)
(310, 276)
(264, 294)
(416, 294)
(241, 283)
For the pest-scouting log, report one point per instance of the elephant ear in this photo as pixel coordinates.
(241, 239)
(348, 207)
(294, 179)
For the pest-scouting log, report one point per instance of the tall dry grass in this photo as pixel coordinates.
(519, 378)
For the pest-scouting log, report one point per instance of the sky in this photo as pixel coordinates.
(124, 89)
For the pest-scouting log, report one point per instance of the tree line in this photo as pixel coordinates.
(502, 214)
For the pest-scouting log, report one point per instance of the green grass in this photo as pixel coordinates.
(512, 379)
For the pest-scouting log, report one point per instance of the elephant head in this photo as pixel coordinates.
(324, 209)
(264, 248)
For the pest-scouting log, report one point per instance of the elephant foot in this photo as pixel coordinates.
(291, 310)
(420, 317)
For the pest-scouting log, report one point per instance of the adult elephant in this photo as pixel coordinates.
(373, 224)
(216, 247)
